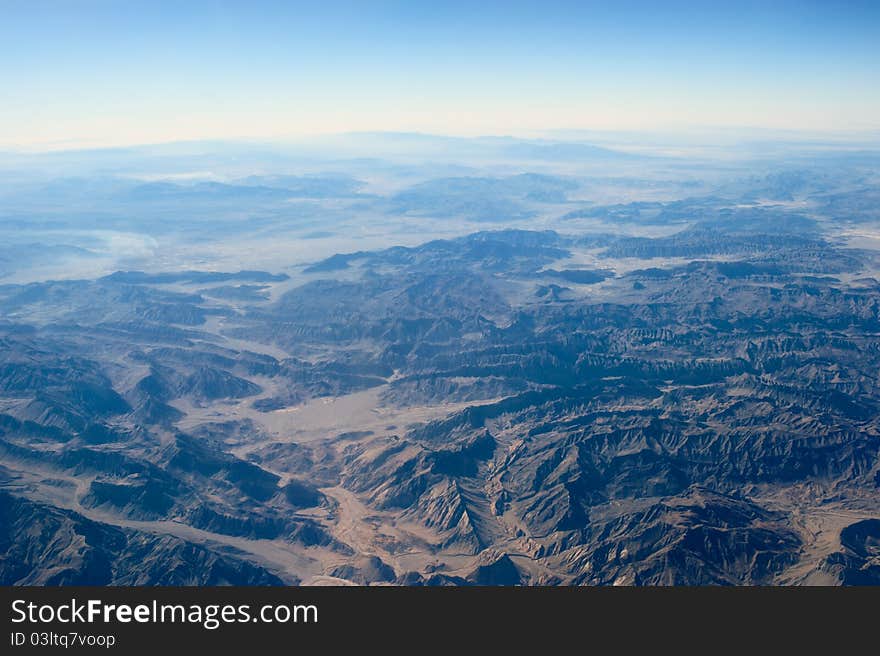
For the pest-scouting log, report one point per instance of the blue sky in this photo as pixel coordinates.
(97, 72)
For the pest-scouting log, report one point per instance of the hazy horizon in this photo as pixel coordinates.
(641, 141)
(104, 74)
(430, 295)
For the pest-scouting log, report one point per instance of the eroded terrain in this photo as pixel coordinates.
(698, 404)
